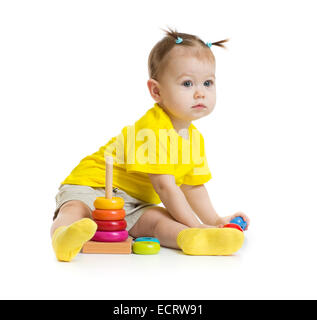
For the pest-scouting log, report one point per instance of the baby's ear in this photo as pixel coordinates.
(154, 89)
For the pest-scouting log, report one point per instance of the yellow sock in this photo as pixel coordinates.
(210, 241)
(67, 241)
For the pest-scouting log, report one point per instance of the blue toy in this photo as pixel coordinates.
(240, 222)
(147, 239)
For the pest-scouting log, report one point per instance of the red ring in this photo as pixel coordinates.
(101, 214)
(112, 225)
(233, 225)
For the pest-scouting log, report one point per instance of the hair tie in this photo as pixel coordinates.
(208, 44)
(179, 40)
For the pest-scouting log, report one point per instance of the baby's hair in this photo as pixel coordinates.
(156, 61)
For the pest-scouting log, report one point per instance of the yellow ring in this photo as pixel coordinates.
(113, 203)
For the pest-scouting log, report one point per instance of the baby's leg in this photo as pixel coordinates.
(71, 229)
(157, 222)
(70, 212)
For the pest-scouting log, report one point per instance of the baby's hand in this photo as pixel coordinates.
(227, 219)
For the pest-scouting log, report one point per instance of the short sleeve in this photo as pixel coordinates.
(199, 174)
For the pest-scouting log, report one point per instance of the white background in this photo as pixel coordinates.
(73, 73)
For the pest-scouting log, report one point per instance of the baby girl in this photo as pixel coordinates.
(159, 159)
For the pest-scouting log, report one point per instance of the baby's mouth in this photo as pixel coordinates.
(199, 106)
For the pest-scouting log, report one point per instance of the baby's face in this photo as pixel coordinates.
(186, 82)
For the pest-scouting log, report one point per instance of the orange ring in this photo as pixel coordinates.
(105, 203)
(118, 214)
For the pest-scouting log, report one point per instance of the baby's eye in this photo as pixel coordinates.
(187, 83)
(208, 83)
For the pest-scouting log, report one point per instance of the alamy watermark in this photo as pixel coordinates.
(147, 146)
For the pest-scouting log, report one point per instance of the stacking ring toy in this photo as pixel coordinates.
(146, 247)
(110, 236)
(233, 225)
(112, 225)
(99, 214)
(105, 203)
(147, 239)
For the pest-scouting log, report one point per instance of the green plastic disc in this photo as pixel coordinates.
(146, 247)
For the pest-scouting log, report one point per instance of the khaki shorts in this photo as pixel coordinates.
(134, 208)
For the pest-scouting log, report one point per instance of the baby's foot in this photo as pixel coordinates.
(210, 241)
(67, 241)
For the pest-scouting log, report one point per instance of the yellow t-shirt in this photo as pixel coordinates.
(151, 145)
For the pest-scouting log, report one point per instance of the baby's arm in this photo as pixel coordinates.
(174, 199)
(198, 198)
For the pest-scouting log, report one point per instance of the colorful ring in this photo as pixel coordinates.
(147, 239)
(233, 225)
(99, 214)
(110, 236)
(105, 203)
(111, 225)
(145, 247)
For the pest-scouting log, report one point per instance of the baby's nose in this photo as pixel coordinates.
(199, 94)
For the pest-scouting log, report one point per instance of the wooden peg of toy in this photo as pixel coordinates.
(108, 202)
(108, 185)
